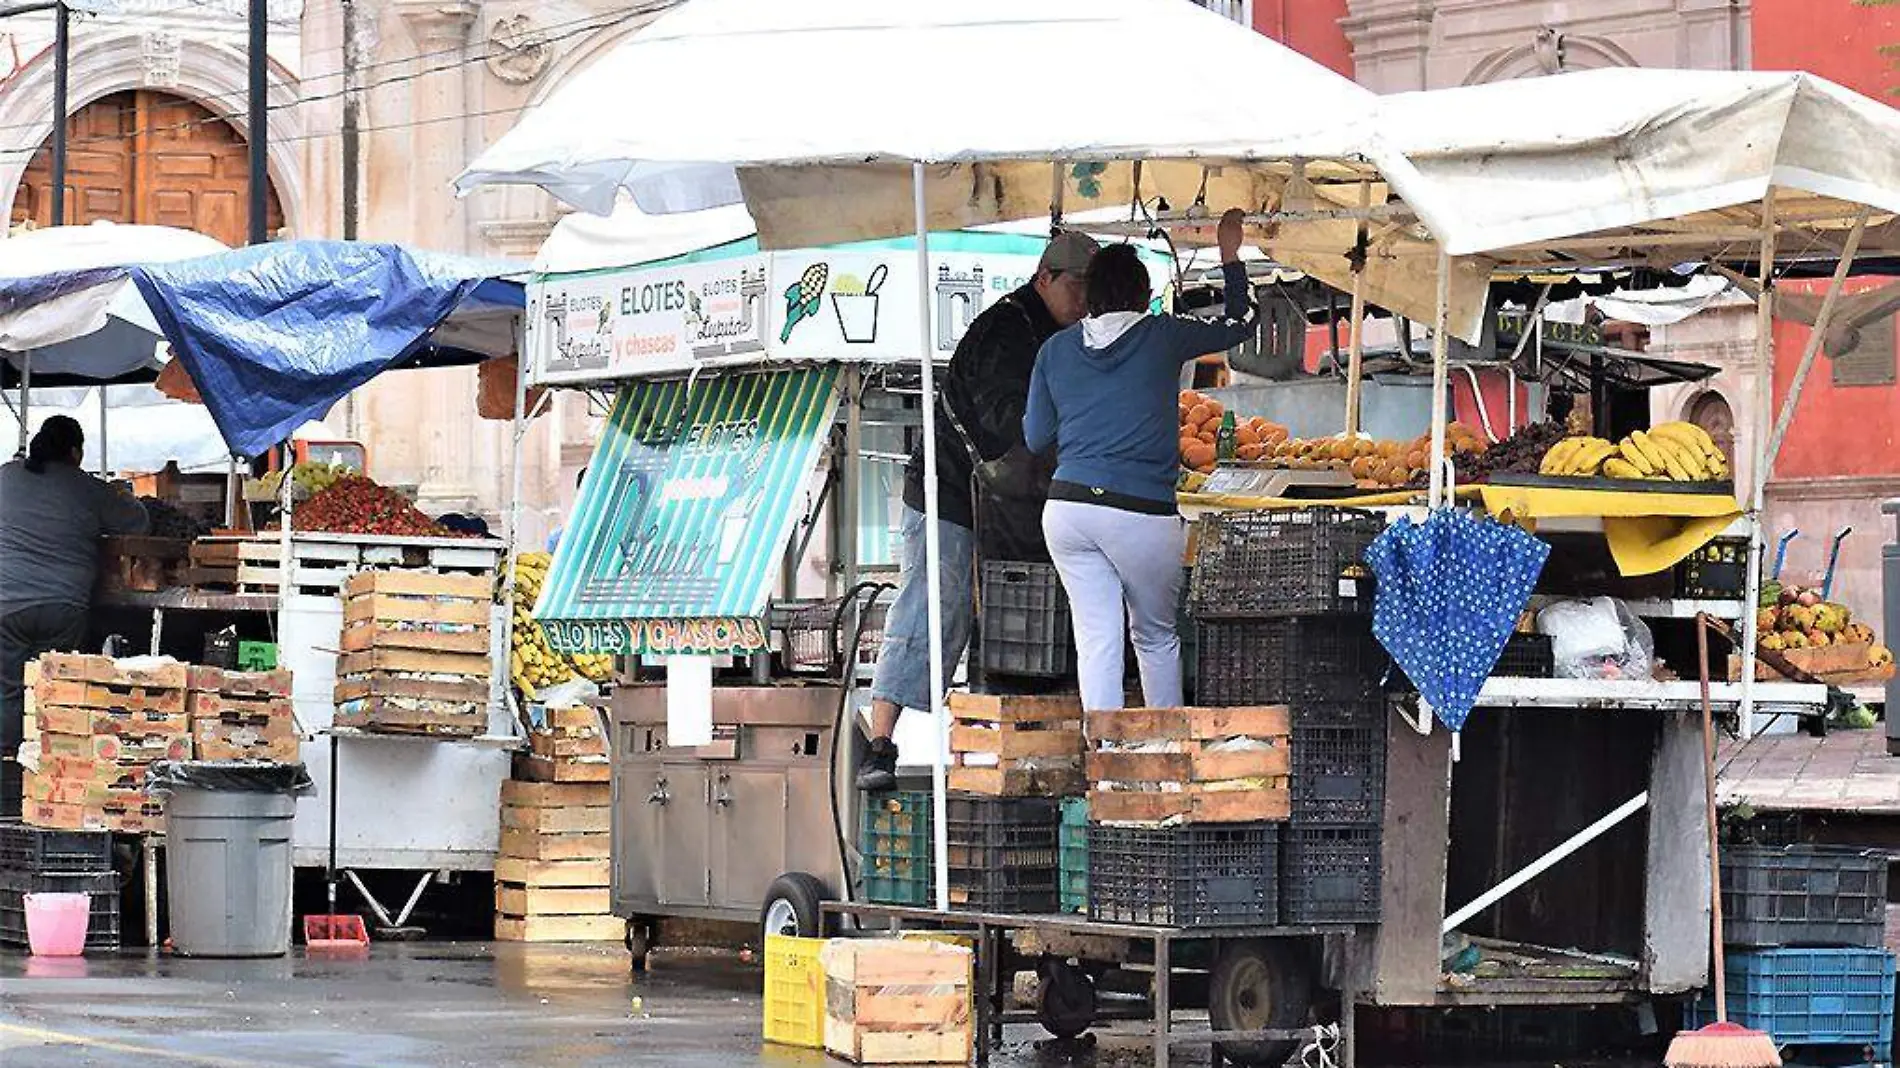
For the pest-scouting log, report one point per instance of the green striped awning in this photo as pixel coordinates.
(690, 497)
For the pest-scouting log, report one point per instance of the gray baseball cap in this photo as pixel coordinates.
(1069, 252)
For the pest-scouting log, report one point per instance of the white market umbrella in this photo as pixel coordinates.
(71, 310)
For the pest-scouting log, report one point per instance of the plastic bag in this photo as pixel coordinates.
(1597, 639)
(229, 776)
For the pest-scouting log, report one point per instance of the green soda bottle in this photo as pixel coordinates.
(1224, 439)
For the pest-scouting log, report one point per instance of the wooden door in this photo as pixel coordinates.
(147, 157)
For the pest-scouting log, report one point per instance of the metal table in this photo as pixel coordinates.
(991, 926)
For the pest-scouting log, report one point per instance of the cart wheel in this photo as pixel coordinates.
(793, 906)
(1258, 985)
(1065, 998)
(640, 932)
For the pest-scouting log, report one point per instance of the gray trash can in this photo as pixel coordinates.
(227, 854)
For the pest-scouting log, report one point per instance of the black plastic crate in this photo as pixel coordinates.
(1306, 561)
(1197, 875)
(40, 850)
(1526, 656)
(1717, 571)
(1269, 661)
(1338, 774)
(1803, 895)
(102, 927)
(813, 637)
(1005, 853)
(897, 864)
(1023, 623)
(1330, 875)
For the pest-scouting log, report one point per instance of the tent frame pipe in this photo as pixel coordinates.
(933, 556)
(517, 431)
(1544, 863)
(1817, 336)
(1764, 407)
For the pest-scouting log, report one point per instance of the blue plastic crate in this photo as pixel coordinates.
(1809, 997)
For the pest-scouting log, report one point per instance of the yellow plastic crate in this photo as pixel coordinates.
(794, 992)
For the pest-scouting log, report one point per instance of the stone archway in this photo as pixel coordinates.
(1550, 51)
(211, 75)
(1711, 411)
(143, 156)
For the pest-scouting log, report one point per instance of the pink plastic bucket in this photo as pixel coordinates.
(56, 924)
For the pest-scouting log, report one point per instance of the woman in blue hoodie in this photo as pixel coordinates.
(1104, 393)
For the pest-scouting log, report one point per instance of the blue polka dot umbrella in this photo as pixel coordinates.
(1450, 590)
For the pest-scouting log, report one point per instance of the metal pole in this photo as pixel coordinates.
(1764, 406)
(1441, 385)
(62, 71)
(517, 430)
(259, 20)
(352, 142)
(933, 552)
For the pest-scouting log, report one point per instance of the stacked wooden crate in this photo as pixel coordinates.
(1016, 746)
(895, 1001)
(415, 653)
(142, 563)
(1190, 765)
(322, 562)
(101, 723)
(241, 715)
(553, 872)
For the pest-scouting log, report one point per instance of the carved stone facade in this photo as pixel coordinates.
(438, 81)
(1431, 44)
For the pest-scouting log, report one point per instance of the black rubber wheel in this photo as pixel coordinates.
(1065, 998)
(640, 932)
(1258, 985)
(793, 906)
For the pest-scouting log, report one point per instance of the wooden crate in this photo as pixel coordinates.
(1008, 746)
(378, 661)
(540, 769)
(316, 566)
(1849, 664)
(898, 1001)
(536, 874)
(109, 697)
(456, 691)
(1191, 772)
(518, 794)
(421, 584)
(535, 845)
(86, 722)
(142, 563)
(590, 819)
(560, 928)
(122, 674)
(380, 715)
(143, 818)
(125, 750)
(202, 679)
(513, 899)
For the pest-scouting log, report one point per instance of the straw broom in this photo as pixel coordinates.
(1721, 1044)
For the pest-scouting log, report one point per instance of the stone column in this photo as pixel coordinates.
(1390, 41)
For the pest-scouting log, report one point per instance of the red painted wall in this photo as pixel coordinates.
(1837, 39)
(1841, 41)
(1818, 444)
(1309, 27)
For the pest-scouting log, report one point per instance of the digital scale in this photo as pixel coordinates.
(1256, 480)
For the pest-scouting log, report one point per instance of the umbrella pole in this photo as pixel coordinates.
(105, 466)
(933, 552)
(1440, 380)
(26, 399)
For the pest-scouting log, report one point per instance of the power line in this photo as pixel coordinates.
(226, 118)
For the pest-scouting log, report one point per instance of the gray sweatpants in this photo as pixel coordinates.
(1114, 565)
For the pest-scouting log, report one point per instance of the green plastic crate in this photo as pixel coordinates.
(1074, 864)
(895, 841)
(257, 656)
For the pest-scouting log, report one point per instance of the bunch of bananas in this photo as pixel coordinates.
(1678, 452)
(532, 662)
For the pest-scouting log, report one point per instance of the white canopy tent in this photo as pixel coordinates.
(1443, 189)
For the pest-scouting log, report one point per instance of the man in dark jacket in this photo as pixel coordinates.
(981, 397)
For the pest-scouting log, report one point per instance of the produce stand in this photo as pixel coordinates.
(285, 585)
(1452, 190)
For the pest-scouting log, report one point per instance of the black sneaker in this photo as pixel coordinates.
(878, 773)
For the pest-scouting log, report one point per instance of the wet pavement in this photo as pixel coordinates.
(423, 1005)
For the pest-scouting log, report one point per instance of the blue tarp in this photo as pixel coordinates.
(274, 335)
